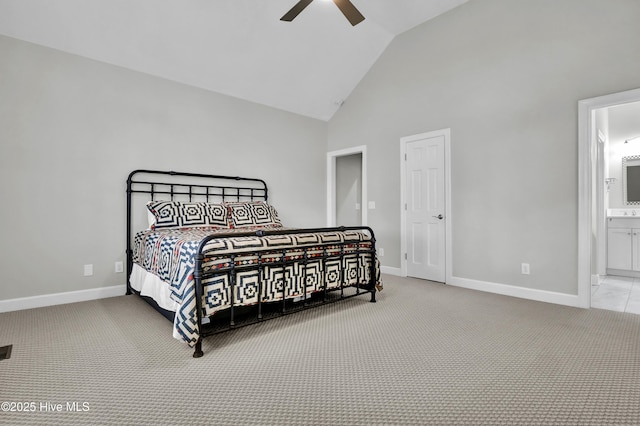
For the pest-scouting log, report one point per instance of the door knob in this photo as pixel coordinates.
(439, 217)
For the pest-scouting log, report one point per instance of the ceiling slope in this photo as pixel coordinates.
(234, 47)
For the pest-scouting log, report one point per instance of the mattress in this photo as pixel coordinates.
(150, 285)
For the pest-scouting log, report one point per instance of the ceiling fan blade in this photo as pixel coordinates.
(349, 11)
(295, 10)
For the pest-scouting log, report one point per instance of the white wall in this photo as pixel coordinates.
(506, 77)
(71, 130)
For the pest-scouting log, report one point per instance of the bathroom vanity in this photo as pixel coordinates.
(623, 242)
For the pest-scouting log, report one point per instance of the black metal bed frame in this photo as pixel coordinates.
(246, 189)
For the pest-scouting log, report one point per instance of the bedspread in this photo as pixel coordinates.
(170, 254)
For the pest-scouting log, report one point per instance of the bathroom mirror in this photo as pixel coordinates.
(631, 180)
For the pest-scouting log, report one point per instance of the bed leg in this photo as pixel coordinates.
(198, 352)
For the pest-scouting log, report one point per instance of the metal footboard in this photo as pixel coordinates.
(364, 250)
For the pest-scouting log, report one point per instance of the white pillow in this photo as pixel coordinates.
(151, 218)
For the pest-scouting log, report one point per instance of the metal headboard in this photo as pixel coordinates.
(170, 185)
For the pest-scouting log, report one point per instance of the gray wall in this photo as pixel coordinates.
(71, 129)
(506, 77)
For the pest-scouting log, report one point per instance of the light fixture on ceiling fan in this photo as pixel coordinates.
(346, 7)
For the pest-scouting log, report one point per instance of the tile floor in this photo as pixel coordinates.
(617, 294)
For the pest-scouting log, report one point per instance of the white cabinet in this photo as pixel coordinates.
(620, 249)
(635, 249)
(623, 245)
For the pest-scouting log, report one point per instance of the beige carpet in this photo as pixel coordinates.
(424, 354)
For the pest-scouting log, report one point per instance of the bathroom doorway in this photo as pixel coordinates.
(609, 133)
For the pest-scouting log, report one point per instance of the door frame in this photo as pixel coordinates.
(587, 158)
(332, 157)
(448, 252)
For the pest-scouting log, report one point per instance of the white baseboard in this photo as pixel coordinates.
(61, 298)
(119, 290)
(391, 270)
(622, 273)
(515, 291)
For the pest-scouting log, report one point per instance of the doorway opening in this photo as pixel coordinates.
(347, 187)
(349, 190)
(601, 142)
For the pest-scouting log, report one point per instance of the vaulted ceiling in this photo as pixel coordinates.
(235, 47)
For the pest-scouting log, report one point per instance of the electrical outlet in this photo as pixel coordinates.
(88, 270)
(119, 267)
(525, 269)
(380, 252)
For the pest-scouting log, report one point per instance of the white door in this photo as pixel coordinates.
(425, 208)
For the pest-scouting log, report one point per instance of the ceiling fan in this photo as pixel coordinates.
(346, 7)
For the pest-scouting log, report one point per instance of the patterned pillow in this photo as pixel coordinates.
(252, 213)
(177, 214)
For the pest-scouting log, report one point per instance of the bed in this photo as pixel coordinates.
(211, 254)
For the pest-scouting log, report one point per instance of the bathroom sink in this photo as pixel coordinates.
(623, 212)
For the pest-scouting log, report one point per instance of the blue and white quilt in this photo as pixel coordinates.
(170, 254)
